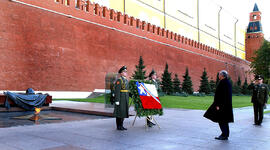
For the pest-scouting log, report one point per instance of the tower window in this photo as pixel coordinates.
(254, 16)
(251, 28)
(255, 27)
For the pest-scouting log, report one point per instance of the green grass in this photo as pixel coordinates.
(267, 112)
(99, 99)
(201, 103)
(190, 102)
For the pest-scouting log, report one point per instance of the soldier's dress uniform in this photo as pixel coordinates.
(156, 84)
(149, 118)
(259, 99)
(121, 96)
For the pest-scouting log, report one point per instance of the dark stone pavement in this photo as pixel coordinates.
(20, 118)
(180, 130)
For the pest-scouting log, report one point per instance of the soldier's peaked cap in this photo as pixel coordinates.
(122, 69)
(152, 73)
(258, 77)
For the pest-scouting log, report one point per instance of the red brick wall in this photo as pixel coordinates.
(253, 42)
(49, 51)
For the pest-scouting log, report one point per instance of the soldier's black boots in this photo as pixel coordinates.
(150, 123)
(123, 128)
(119, 124)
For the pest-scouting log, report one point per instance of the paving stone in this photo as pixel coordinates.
(180, 129)
(26, 142)
(65, 147)
(7, 147)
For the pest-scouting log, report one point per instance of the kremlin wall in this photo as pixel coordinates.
(53, 46)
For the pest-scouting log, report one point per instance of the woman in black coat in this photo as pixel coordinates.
(221, 110)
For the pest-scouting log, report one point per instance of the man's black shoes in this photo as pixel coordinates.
(221, 138)
(257, 124)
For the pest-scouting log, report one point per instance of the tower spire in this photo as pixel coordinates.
(255, 21)
(255, 8)
(254, 34)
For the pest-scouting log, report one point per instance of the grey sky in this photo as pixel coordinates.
(241, 9)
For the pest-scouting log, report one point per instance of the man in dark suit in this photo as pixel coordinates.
(221, 110)
(259, 98)
(121, 98)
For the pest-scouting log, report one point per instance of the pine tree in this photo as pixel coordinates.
(139, 73)
(229, 78)
(217, 80)
(167, 86)
(245, 90)
(176, 84)
(239, 82)
(204, 87)
(233, 85)
(250, 90)
(212, 85)
(237, 86)
(261, 62)
(187, 83)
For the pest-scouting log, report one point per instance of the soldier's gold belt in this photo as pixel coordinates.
(123, 90)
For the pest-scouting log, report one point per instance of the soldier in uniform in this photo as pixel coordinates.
(121, 98)
(152, 78)
(259, 98)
